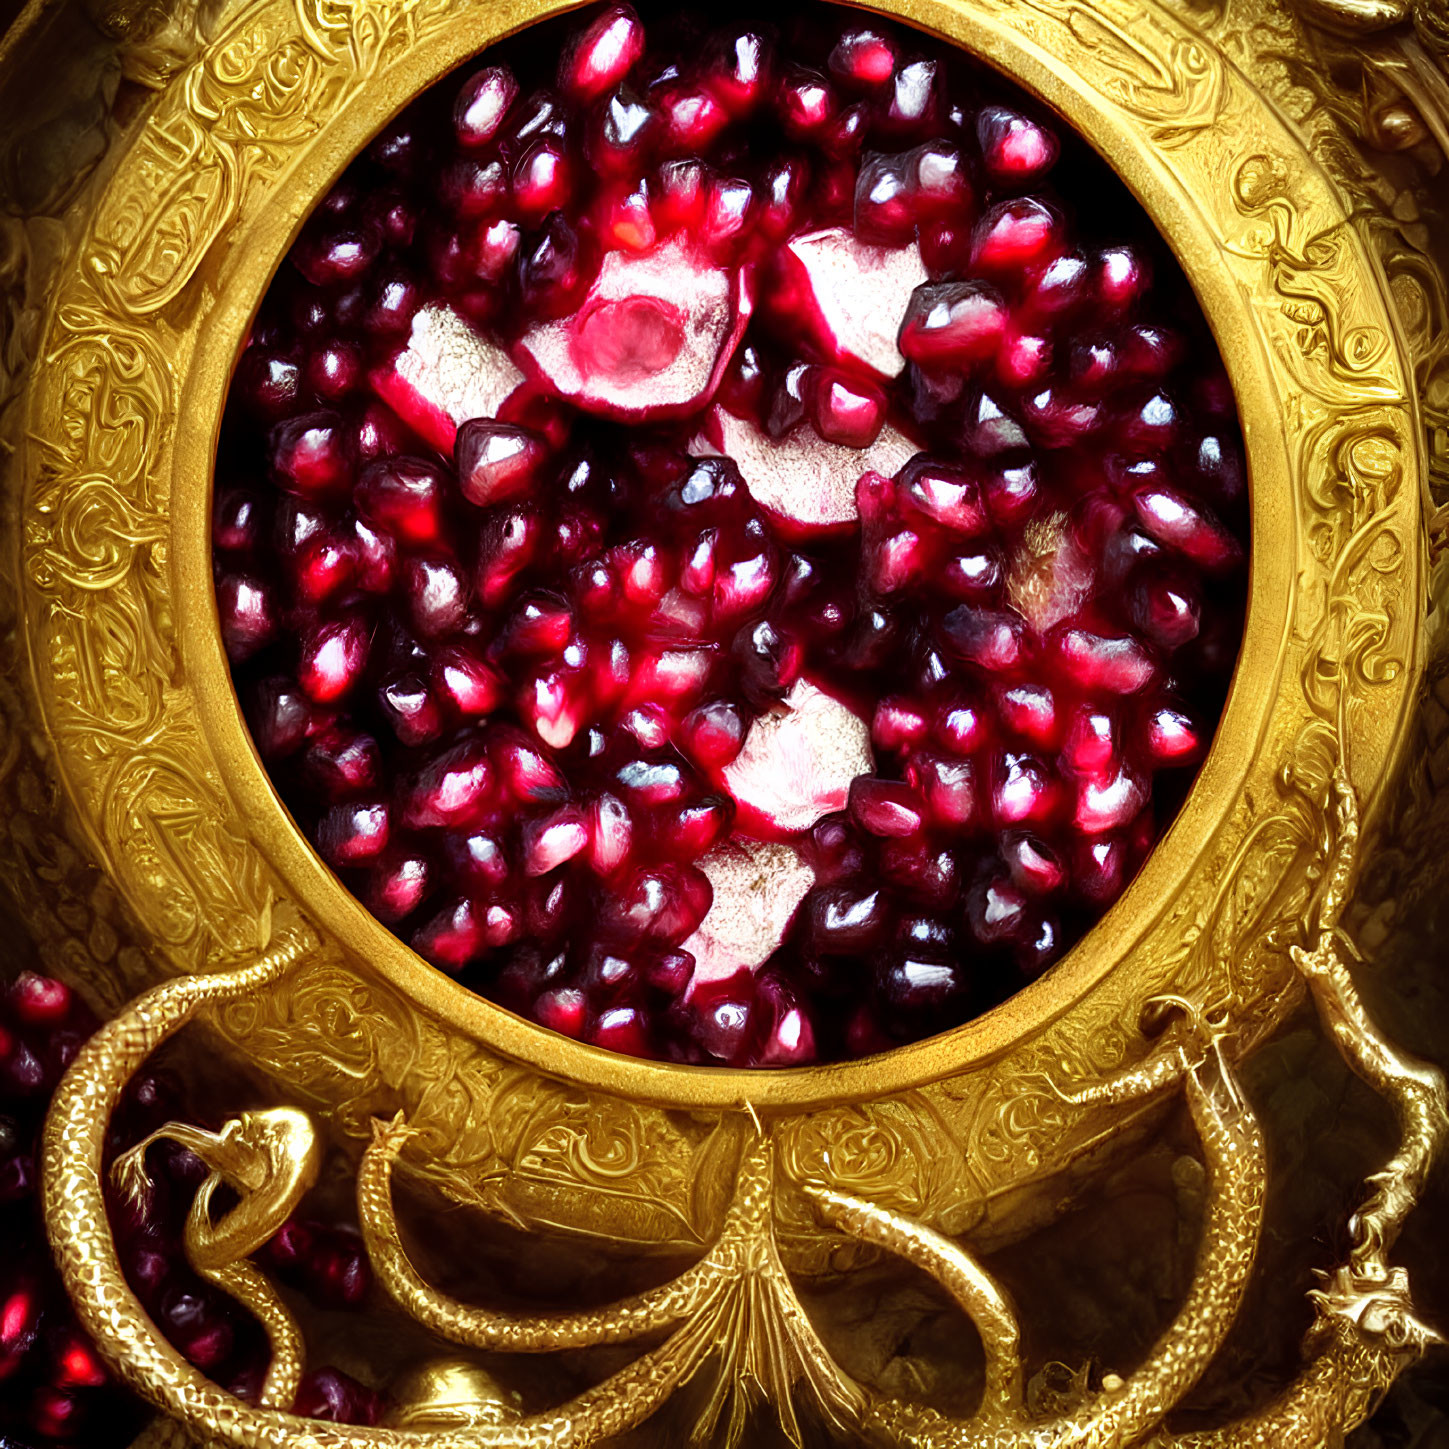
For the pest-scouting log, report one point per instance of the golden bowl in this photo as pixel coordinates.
(1322, 320)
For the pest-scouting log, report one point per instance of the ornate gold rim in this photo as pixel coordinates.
(261, 243)
(148, 740)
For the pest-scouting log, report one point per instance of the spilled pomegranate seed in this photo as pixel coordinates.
(731, 541)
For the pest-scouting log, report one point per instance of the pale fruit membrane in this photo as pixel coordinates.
(758, 886)
(446, 375)
(807, 483)
(852, 296)
(797, 762)
(649, 341)
(1051, 576)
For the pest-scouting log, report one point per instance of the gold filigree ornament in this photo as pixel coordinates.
(933, 1152)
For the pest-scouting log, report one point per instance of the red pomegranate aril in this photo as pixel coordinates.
(453, 937)
(622, 1029)
(309, 454)
(1016, 150)
(1090, 746)
(540, 625)
(552, 276)
(992, 639)
(885, 200)
(554, 706)
(949, 788)
(848, 919)
(563, 1010)
(399, 883)
(690, 118)
(952, 324)
(1035, 867)
(354, 832)
(680, 188)
(897, 726)
(620, 135)
(782, 1026)
(806, 104)
(552, 840)
(885, 807)
(39, 1001)
(695, 828)
(1166, 609)
(1024, 791)
(943, 493)
(404, 496)
(338, 1398)
(542, 181)
(1192, 531)
(239, 521)
(914, 107)
(249, 618)
(482, 105)
(1113, 664)
(333, 657)
(333, 257)
(1108, 802)
(1120, 277)
(847, 411)
(713, 734)
(508, 546)
(602, 55)
(738, 69)
(1016, 235)
(465, 682)
(342, 762)
(452, 789)
(915, 986)
(435, 592)
(997, 912)
(973, 577)
(271, 384)
(662, 904)
(1171, 737)
(411, 710)
(863, 59)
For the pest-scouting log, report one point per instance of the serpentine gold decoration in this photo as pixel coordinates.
(270, 1158)
(737, 1306)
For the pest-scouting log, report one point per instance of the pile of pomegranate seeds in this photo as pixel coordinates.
(731, 542)
(54, 1386)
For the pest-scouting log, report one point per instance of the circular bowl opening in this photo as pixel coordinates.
(1088, 961)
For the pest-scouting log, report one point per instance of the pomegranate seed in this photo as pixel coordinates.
(806, 104)
(452, 789)
(1193, 532)
(1014, 235)
(602, 55)
(398, 885)
(353, 832)
(309, 454)
(915, 101)
(738, 70)
(885, 807)
(1108, 802)
(334, 656)
(404, 496)
(863, 59)
(482, 105)
(847, 412)
(411, 710)
(435, 592)
(1015, 149)
(1120, 277)
(622, 1029)
(952, 324)
(621, 134)
(556, 838)
(248, 615)
(39, 1000)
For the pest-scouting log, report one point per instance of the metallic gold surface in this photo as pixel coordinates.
(157, 848)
